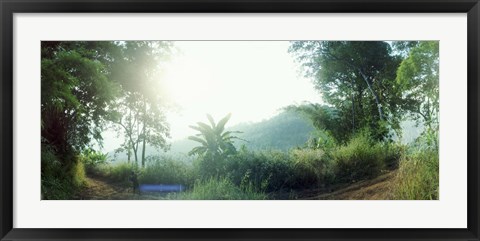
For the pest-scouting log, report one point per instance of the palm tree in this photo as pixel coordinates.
(216, 143)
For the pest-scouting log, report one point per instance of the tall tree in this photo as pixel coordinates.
(140, 111)
(76, 91)
(418, 76)
(355, 77)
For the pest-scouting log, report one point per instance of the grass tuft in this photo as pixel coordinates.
(417, 177)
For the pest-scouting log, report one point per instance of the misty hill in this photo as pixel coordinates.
(281, 132)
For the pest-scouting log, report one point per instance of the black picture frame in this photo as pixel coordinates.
(9, 7)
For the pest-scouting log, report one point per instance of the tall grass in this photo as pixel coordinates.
(158, 170)
(310, 168)
(418, 177)
(77, 173)
(359, 159)
(220, 189)
(258, 168)
(166, 170)
(274, 170)
(121, 172)
(362, 158)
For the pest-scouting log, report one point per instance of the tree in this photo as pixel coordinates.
(357, 79)
(324, 118)
(216, 143)
(76, 91)
(140, 111)
(418, 76)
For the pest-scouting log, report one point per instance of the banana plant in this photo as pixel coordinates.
(216, 144)
(215, 141)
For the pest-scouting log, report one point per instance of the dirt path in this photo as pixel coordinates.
(375, 189)
(98, 188)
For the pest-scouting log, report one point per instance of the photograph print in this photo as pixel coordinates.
(240, 120)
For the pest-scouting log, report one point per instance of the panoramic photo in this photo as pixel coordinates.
(240, 120)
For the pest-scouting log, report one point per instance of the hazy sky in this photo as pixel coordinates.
(250, 79)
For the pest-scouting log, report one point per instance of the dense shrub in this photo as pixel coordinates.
(121, 172)
(59, 182)
(274, 170)
(391, 153)
(417, 177)
(362, 158)
(92, 158)
(206, 167)
(158, 170)
(269, 170)
(51, 165)
(310, 168)
(166, 170)
(322, 140)
(220, 189)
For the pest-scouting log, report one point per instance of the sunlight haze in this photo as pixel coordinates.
(250, 79)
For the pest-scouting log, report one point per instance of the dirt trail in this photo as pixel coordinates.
(375, 189)
(98, 188)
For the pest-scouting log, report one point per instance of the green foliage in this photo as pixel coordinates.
(75, 93)
(54, 183)
(428, 141)
(92, 158)
(51, 165)
(274, 170)
(357, 79)
(417, 177)
(325, 119)
(165, 170)
(221, 189)
(86, 84)
(391, 154)
(282, 132)
(118, 173)
(77, 172)
(321, 140)
(362, 158)
(59, 182)
(311, 168)
(258, 168)
(158, 170)
(418, 76)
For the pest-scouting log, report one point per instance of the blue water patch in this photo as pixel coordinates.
(161, 188)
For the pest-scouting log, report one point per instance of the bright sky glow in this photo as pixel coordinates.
(250, 79)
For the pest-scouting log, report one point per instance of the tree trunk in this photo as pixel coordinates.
(136, 157)
(353, 107)
(143, 153)
(377, 100)
(144, 132)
